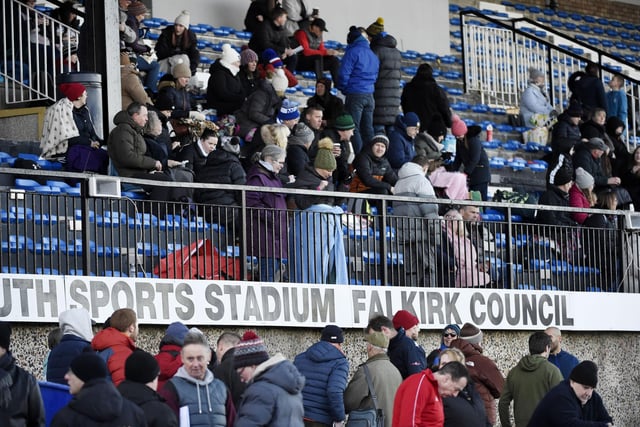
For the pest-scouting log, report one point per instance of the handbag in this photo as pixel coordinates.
(367, 417)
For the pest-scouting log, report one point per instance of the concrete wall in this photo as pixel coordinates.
(615, 354)
(416, 24)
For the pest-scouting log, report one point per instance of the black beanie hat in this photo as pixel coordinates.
(141, 367)
(5, 335)
(333, 334)
(89, 366)
(585, 373)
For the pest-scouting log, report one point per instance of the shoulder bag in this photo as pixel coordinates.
(367, 417)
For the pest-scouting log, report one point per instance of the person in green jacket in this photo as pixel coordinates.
(528, 382)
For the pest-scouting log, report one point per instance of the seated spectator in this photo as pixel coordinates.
(68, 133)
(316, 241)
(271, 34)
(581, 195)
(248, 74)
(534, 100)
(566, 132)
(267, 215)
(195, 154)
(388, 92)
(559, 182)
(289, 115)
(401, 139)
(588, 155)
(416, 228)
(620, 155)
(315, 56)
(136, 13)
(225, 92)
(177, 44)
(130, 84)
(469, 274)
(270, 62)
(298, 15)
(222, 167)
(373, 173)
(471, 157)
(176, 94)
(340, 133)
(595, 126)
(332, 106)
(423, 96)
(259, 11)
(631, 178)
(298, 149)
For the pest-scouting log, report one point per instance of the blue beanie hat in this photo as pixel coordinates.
(175, 333)
(411, 119)
(454, 327)
(288, 111)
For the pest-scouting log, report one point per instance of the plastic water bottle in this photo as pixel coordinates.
(489, 133)
(449, 144)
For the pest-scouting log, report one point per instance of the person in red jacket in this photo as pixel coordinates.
(418, 401)
(169, 356)
(315, 56)
(115, 343)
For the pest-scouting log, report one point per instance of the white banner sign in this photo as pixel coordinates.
(35, 298)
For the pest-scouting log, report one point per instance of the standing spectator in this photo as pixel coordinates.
(259, 11)
(298, 149)
(373, 173)
(534, 100)
(130, 84)
(403, 351)
(136, 13)
(631, 178)
(528, 382)
(21, 403)
(115, 343)
(298, 16)
(53, 339)
(315, 56)
(484, 372)
(559, 182)
(573, 402)
(470, 154)
(385, 379)
(401, 139)
(168, 357)
(225, 371)
(331, 105)
(617, 98)
(274, 393)
(423, 96)
(271, 34)
(267, 216)
(248, 74)
(417, 227)
(581, 195)
(140, 386)
(406, 321)
(564, 360)
(325, 368)
(356, 80)
(95, 402)
(449, 333)
(77, 334)
(620, 155)
(225, 91)
(387, 89)
(194, 386)
(177, 44)
(418, 401)
(587, 89)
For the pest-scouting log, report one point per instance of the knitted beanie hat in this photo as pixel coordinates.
(73, 91)
(89, 366)
(325, 158)
(455, 328)
(376, 28)
(141, 367)
(405, 320)
(382, 139)
(584, 178)
(585, 373)
(411, 119)
(458, 127)
(247, 55)
(344, 122)
(250, 351)
(288, 111)
(231, 144)
(229, 54)
(137, 8)
(471, 333)
(301, 135)
(181, 70)
(183, 19)
(270, 56)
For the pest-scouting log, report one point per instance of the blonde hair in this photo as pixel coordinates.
(454, 353)
(275, 134)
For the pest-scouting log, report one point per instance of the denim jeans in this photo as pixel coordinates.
(360, 106)
(152, 69)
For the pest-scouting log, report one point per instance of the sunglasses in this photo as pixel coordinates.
(445, 335)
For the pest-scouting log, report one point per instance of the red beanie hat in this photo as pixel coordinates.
(458, 127)
(73, 91)
(404, 319)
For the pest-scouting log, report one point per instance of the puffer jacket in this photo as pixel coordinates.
(187, 44)
(25, 407)
(225, 91)
(387, 89)
(222, 167)
(120, 347)
(372, 172)
(127, 147)
(401, 147)
(260, 108)
(358, 69)
(325, 369)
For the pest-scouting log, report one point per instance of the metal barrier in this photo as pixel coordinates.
(64, 234)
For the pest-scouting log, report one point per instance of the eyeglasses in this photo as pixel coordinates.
(446, 335)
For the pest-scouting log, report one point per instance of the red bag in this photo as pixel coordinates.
(200, 260)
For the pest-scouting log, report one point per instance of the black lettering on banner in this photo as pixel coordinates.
(406, 301)
(477, 317)
(145, 298)
(529, 309)
(6, 298)
(512, 318)
(233, 291)
(435, 307)
(300, 305)
(46, 297)
(23, 285)
(451, 310)
(251, 306)
(495, 302)
(375, 305)
(545, 319)
(286, 306)
(210, 295)
(357, 299)
(76, 290)
(121, 288)
(565, 319)
(163, 290)
(183, 291)
(269, 312)
(99, 296)
(323, 310)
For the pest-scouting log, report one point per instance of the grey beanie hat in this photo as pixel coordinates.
(301, 135)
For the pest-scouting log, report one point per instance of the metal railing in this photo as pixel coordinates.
(36, 50)
(62, 234)
(497, 55)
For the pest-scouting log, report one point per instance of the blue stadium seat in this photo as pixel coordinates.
(47, 271)
(13, 270)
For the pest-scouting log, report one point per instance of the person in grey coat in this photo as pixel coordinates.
(385, 378)
(387, 88)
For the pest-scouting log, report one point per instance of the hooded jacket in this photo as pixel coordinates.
(98, 403)
(127, 147)
(358, 69)
(406, 354)
(413, 182)
(387, 89)
(332, 105)
(225, 92)
(76, 337)
(273, 397)
(565, 134)
(401, 148)
(325, 369)
(156, 411)
(423, 96)
(22, 406)
(222, 167)
(118, 347)
(526, 385)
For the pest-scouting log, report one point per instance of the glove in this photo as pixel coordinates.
(196, 115)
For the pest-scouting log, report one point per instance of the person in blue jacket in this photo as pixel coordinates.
(325, 368)
(356, 80)
(401, 149)
(77, 334)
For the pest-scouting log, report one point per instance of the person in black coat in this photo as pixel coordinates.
(589, 156)
(225, 92)
(270, 34)
(587, 89)
(423, 96)
(566, 132)
(387, 89)
(559, 182)
(141, 372)
(225, 371)
(249, 75)
(298, 148)
(332, 106)
(21, 403)
(195, 154)
(178, 42)
(471, 155)
(96, 401)
(373, 173)
(258, 11)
